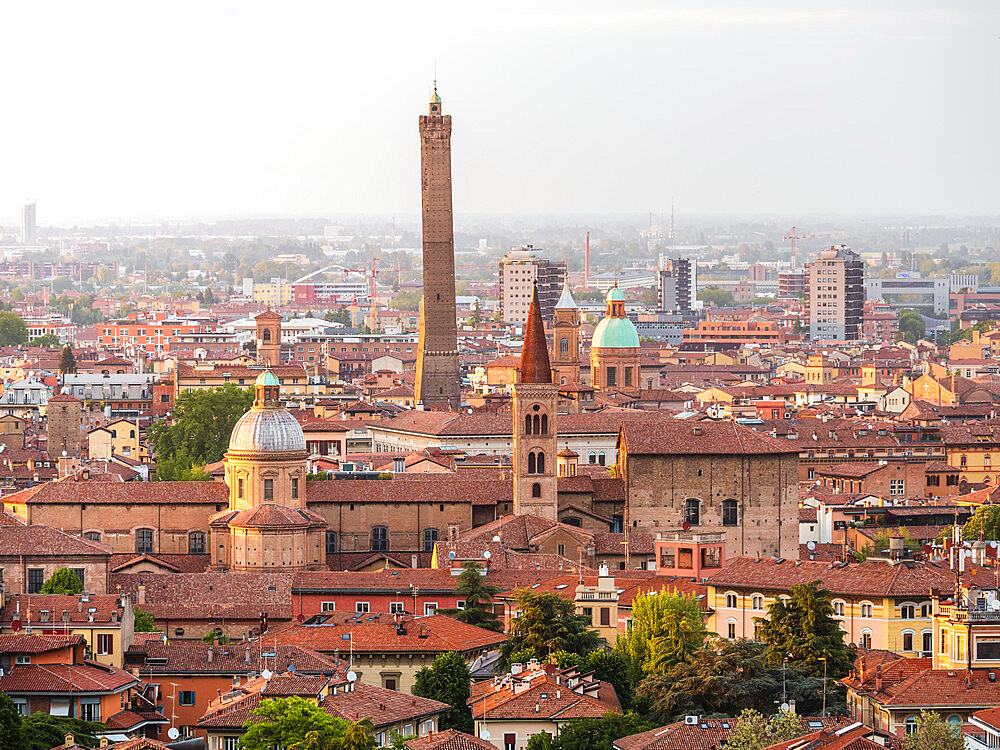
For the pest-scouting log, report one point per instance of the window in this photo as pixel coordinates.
(239, 484)
(730, 513)
(430, 536)
(80, 574)
(231, 743)
(866, 639)
(731, 629)
(295, 488)
(331, 542)
(838, 608)
(536, 490)
(396, 607)
(561, 549)
(269, 489)
(564, 346)
(906, 611)
(389, 683)
(509, 741)
(94, 536)
(757, 602)
(328, 606)
(144, 541)
(692, 511)
(105, 644)
(731, 600)
(90, 709)
(911, 724)
(895, 486)
(592, 458)
(22, 659)
(186, 697)
(612, 377)
(866, 609)
(430, 608)
(380, 539)
(907, 640)
(988, 649)
(963, 461)
(196, 543)
(601, 458)
(362, 607)
(926, 643)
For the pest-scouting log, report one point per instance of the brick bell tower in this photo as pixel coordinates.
(268, 338)
(566, 339)
(535, 399)
(437, 376)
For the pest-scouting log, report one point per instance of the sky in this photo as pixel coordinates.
(133, 110)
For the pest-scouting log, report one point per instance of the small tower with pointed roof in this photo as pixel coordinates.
(268, 338)
(534, 405)
(566, 340)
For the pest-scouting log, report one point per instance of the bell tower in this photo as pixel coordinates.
(566, 339)
(268, 338)
(534, 401)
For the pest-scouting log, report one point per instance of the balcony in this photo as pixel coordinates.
(974, 615)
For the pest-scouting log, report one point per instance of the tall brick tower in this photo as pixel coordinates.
(535, 399)
(268, 338)
(437, 377)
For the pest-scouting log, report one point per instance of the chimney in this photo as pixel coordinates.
(211, 654)
(246, 659)
(878, 679)
(141, 595)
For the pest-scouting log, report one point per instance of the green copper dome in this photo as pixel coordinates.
(615, 333)
(615, 294)
(267, 378)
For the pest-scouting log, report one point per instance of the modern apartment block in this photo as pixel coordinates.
(835, 295)
(519, 270)
(677, 282)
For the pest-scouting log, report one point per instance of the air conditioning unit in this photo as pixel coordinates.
(691, 720)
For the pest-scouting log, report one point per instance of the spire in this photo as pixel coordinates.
(566, 301)
(535, 352)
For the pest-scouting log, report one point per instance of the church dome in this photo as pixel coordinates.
(615, 331)
(267, 430)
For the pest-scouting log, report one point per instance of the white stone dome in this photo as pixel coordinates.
(267, 430)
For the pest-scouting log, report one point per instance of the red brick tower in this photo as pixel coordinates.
(437, 377)
(268, 338)
(535, 399)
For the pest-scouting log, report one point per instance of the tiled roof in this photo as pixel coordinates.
(384, 707)
(542, 698)
(43, 540)
(192, 657)
(832, 739)
(132, 719)
(707, 734)
(270, 514)
(139, 743)
(176, 563)
(518, 531)
(74, 492)
(478, 486)
(20, 643)
(104, 608)
(660, 435)
(231, 715)
(869, 578)
(288, 684)
(209, 596)
(88, 677)
(431, 634)
(450, 424)
(449, 739)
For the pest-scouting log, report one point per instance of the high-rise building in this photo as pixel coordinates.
(676, 284)
(521, 273)
(835, 295)
(29, 236)
(791, 284)
(437, 376)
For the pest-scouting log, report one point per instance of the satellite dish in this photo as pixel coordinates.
(451, 555)
(487, 554)
(784, 708)
(496, 538)
(995, 605)
(173, 733)
(810, 546)
(267, 674)
(484, 734)
(352, 676)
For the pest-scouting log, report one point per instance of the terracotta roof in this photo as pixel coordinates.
(176, 563)
(210, 596)
(21, 643)
(478, 486)
(43, 540)
(74, 492)
(104, 608)
(544, 699)
(270, 515)
(289, 684)
(133, 719)
(449, 739)
(847, 738)
(535, 350)
(192, 657)
(869, 578)
(60, 397)
(89, 677)
(384, 707)
(665, 435)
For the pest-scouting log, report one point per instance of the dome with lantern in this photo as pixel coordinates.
(267, 427)
(615, 331)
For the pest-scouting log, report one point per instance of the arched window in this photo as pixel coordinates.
(564, 345)
(963, 461)
(592, 458)
(907, 640)
(731, 600)
(267, 335)
(926, 643)
(866, 609)
(838, 608)
(911, 724)
(144, 541)
(196, 543)
(569, 520)
(545, 424)
(692, 511)
(757, 602)
(331, 542)
(527, 424)
(601, 458)
(730, 513)
(866, 638)
(907, 611)
(380, 539)
(531, 463)
(540, 463)
(987, 461)
(430, 536)
(534, 425)
(536, 490)
(94, 536)
(131, 434)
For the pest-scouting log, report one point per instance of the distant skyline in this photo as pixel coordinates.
(118, 111)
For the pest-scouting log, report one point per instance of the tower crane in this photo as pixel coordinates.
(793, 236)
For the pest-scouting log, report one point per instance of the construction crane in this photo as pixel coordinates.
(793, 236)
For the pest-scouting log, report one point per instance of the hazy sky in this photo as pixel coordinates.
(138, 109)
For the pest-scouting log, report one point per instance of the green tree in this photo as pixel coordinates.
(539, 741)
(934, 734)
(984, 523)
(13, 331)
(478, 598)
(548, 623)
(67, 362)
(911, 325)
(283, 722)
(723, 679)
(716, 297)
(447, 680)
(650, 297)
(599, 734)
(753, 731)
(797, 326)
(43, 731)
(804, 630)
(199, 432)
(143, 622)
(667, 628)
(477, 313)
(49, 340)
(63, 581)
(11, 730)
(359, 735)
(215, 635)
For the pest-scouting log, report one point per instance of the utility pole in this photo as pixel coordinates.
(823, 659)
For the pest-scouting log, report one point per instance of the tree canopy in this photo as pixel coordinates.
(13, 331)
(288, 722)
(67, 362)
(754, 731)
(43, 731)
(933, 733)
(478, 597)
(911, 325)
(447, 680)
(600, 733)
(143, 622)
(667, 628)
(984, 523)
(548, 623)
(45, 340)
(804, 631)
(199, 432)
(63, 581)
(11, 725)
(716, 297)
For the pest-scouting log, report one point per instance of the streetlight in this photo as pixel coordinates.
(784, 666)
(823, 659)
